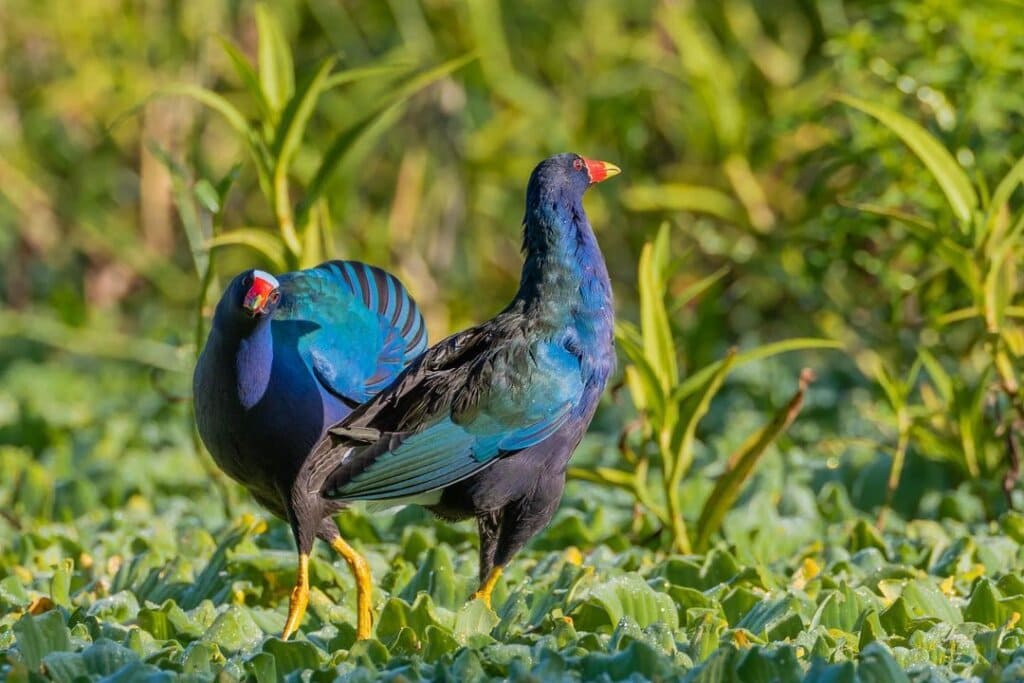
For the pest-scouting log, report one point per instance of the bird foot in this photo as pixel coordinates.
(487, 587)
(364, 586)
(299, 599)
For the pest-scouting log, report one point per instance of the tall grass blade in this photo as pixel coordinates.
(274, 57)
(654, 325)
(741, 465)
(951, 178)
(346, 140)
(700, 378)
(262, 241)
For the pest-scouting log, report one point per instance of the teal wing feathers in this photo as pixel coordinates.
(355, 326)
(470, 408)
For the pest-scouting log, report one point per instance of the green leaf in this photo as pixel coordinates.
(951, 178)
(984, 605)
(940, 378)
(365, 73)
(247, 74)
(698, 379)
(697, 288)
(682, 443)
(60, 585)
(644, 385)
(104, 657)
(605, 604)
(235, 119)
(296, 116)
(274, 57)
(740, 467)
(878, 665)
(65, 667)
(682, 197)
(40, 635)
(398, 614)
(339, 148)
(207, 195)
(1004, 190)
(659, 349)
(216, 102)
(234, 630)
(266, 243)
(436, 577)
(839, 609)
(474, 619)
(293, 655)
(924, 599)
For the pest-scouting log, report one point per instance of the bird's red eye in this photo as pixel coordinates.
(577, 164)
(275, 296)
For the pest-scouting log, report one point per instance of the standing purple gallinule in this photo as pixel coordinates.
(483, 424)
(287, 357)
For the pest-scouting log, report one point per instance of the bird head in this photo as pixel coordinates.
(566, 176)
(260, 292)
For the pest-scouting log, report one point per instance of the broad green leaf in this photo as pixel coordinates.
(436, 577)
(839, 609)
(878, 665)
(293, 655)
(924, 599)
(605, 604)
(951, 178)
(263, 667)
(65, 667)
(474, 619)
(398, 614)
(985, 605)
(104, 657)
(234, 630)
(274, 57)
(40, 635)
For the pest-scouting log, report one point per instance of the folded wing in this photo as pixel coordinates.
(356, 326)
(460, 407)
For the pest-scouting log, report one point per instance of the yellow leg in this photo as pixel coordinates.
(484, 592)
(300, 598)
(364, 585)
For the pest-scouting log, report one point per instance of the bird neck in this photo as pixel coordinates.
(564, 274)
(247, 348)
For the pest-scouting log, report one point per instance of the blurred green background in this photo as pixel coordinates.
(790, 214)
(720, 113)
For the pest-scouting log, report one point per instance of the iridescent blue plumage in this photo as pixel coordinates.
(483, 423)
(269, 381)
